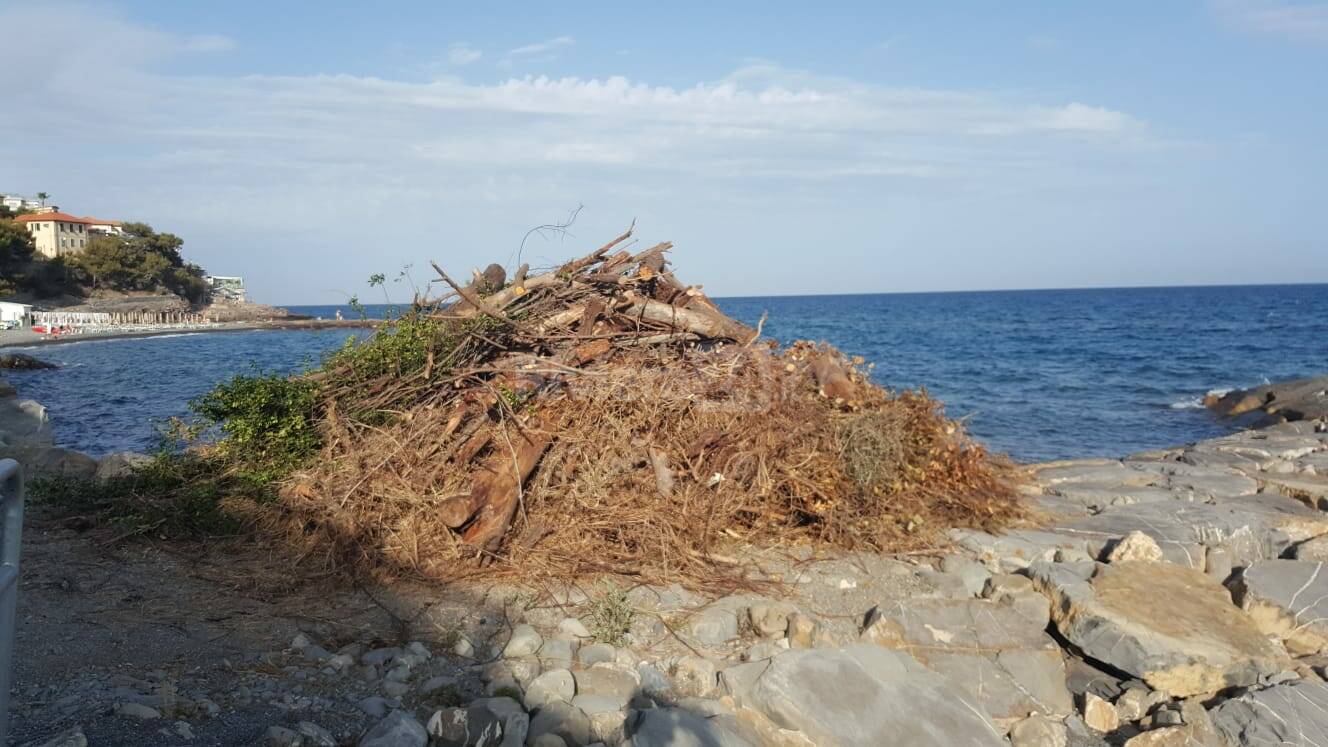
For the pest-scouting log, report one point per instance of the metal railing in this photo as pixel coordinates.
(11, 537)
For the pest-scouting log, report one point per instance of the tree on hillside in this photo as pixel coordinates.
(15, 253)
(141, 260)
(43, 197)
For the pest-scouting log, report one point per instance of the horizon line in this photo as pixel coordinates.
(955, 292)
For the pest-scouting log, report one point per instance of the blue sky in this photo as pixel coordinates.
(784, 148)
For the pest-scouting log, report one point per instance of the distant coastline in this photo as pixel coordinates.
(25, 338)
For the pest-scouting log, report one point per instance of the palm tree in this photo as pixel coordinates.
(43, 197)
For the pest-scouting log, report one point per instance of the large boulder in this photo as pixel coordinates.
(1002, 658)
(121, 464)
(860, 694)
(1291, 714)
(51, 460)
(1171, 626)
(22, 362)
(24, 422)
(1287, 599)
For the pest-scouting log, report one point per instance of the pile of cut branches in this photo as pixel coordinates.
(603, 417)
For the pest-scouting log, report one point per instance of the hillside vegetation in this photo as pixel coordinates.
(141, 260)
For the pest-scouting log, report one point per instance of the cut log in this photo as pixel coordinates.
(497, 490)
(697, 321)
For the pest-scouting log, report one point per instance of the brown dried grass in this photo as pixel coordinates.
(757, 456)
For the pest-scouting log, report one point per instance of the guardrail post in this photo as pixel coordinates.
(11, 537)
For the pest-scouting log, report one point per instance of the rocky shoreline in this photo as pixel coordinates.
(1173, 597)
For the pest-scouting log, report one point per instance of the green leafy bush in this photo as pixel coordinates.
(266, 422)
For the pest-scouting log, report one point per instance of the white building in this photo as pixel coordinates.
(15, 312)
(226, 288)
(109, 227)
(19, 202)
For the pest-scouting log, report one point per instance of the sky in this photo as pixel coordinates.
(784, 147)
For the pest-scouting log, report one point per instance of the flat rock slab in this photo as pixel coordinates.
(1287, 599)
(859, 695)
(1171, 626)
(1290, 714)
(1249, 528)
(1004, 660)
(675, 727)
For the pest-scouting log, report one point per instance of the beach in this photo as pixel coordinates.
(11, 338)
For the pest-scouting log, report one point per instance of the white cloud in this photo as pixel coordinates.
(544, 48)
(295, 164)
(1299, 21)
(463, 54)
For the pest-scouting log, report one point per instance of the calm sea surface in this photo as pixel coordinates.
(1037, 374)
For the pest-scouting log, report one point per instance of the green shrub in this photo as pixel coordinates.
(266, 422)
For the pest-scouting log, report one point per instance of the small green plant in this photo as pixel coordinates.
(267, 422)
(174, 495)
(611, 617)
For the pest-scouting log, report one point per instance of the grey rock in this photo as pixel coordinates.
(769, 619)
(1287, 599)
(1313, 550)
(375, 706)
(120, 464)
(714, 625)
(448, 725)
(525, 641)
(25, 423)
(574, 628)
(594, 704)
(563, 719)
(379, 656)
(548, 740)
(556, 685)
(315, 735)
(1139, 618)
(653, 681)
(516, 728)
(1017, 593)
(858, 695)
(608, 680)
(695, 676)
(557, 652)
(1039, 731)
(137, 710)
(395, 689)
(971, 574)
(71, 737)
(280, 736)
(398, 729)
(675, 727)
(596, 653)
(50, 460)
(1004, 661)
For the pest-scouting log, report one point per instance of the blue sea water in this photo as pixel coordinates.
(1036, 374)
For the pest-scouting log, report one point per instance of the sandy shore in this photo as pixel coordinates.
(24, 337)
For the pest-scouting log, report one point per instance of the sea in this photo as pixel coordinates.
(1039, 375)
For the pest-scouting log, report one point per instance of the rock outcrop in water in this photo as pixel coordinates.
(1286, 401)
(26, 437)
